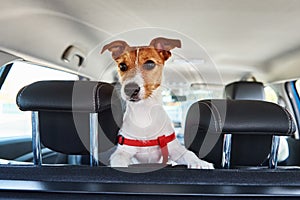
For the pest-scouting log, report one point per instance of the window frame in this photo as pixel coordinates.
(294, 99)
(4, 71)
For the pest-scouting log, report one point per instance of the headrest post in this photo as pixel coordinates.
(274, 152)
(94, 160)
(36, 143)
(226, 152)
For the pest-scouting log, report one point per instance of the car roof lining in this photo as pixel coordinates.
(258, 37)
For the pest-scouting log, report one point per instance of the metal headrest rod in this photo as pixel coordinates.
(36, 142)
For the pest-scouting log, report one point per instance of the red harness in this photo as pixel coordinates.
(161, 141)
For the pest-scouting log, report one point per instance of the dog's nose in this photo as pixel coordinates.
(132, 89)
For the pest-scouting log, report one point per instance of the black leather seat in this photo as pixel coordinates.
(207, 121)
(67, 114)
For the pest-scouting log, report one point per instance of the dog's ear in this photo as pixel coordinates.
(164, 45)
(117, 48)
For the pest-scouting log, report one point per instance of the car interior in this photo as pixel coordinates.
(231, 92)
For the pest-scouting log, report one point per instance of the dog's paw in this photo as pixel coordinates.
(120, 159)
(201, 164)
(193, 162)
(117, 163)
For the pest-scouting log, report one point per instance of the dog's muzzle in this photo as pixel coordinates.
(132, 91)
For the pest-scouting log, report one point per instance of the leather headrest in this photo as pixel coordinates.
(240, 117)
(80, 96)
(245, 90)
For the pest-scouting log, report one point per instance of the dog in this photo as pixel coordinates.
(147, 134)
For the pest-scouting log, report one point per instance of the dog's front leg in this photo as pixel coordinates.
(120, 158)
(182, 156)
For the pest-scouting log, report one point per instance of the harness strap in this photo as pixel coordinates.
(161, 141)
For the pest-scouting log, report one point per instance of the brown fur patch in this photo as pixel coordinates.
(152, 78)
(158, 52)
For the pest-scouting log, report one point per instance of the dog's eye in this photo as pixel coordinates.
(149, 64)
(123, 67)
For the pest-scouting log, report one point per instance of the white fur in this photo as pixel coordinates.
(145, 120)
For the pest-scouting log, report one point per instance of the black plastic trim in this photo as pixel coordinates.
(164, 182)
(148, 189)
(4, 72)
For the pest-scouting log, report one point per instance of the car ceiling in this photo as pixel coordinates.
(259, 37)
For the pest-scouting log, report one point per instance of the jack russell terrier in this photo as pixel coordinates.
(147, 134)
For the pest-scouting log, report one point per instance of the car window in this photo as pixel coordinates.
(14, 122)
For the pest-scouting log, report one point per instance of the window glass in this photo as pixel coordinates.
(14, 122)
